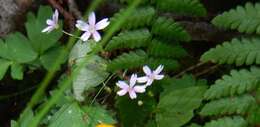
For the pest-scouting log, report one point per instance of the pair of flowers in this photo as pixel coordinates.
(90, 28)
(132, 88)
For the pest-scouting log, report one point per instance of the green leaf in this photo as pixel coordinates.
(70, 115)
(41, 41)
(176, 107)
(134, 115)
(79, 50)
(17, 71)
(50, 57)
(4, 65)
(236, 121)
(90, 76)
(239, 52)
(244, 19)
(25, 119)
(16, 48)
(96, 115)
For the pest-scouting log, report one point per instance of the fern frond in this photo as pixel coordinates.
(230, 105)
(129, 39)
(129, 60)
(182, 7)
(159, 49)
(139, 18)
(236, 121)
(244, 19)
(237, 82)
(239, 52)
(169, 29)
(169, 64)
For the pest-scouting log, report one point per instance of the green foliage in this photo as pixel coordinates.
(34, 25)
(141, 17)
(93, 74)
(70, 115)
(132, 114)
(176, 108)
(25, 119)
(230, 105)
(129, 39)
(160, 49)
(182, 7)
(239, 52)
(15, 52)
(129, 60)
(236, 121)
(169, 64)
(238, 82)
(244, 19)
(170, 30)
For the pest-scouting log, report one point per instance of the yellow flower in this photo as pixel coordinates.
(105, 125)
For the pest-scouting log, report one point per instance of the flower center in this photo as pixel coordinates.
(92, 29)
(151, 76)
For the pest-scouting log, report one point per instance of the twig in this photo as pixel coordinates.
(189, 69)
(68, 17)
(206, 71)
(73, 8)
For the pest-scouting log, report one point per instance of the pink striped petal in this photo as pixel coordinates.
(102, 24)
(96, 36)
(92, 19)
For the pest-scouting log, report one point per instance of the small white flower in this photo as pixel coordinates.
(151, 75)
(132, 89)
(91, 28)
(52, 23)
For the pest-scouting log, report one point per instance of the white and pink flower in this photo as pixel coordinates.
(52, 23)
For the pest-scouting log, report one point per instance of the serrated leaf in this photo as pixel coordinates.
(4, 65)
(16, 48)
(70, 115)
(17, 71)
(41, 41)
(93, 74)
(96, 115)
(176, 107)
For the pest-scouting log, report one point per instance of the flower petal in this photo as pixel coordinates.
(85, 36)
(122, 85)
(142, 79)
(82, 25)
(122, 92)
(50, 22)
(132, 94)
(158, 77)
(55, 16)
(133, 80)
(92, 19)
(48, 29)
(102, 24)
(139, 89)
(147, 70)
(158, 69)
(149, 82)
(96, 36)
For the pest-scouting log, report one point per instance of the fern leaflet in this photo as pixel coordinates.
(239, 52)
(129, 60)
(170, 30)
(237, 83)
(244, 19)
(231, 105)
(140, 17)
(236, 121)
(129, 39)
(182, 7)
(159, 49)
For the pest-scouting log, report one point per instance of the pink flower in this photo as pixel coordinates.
(52, 23)
(132, 89)
(151, 75)
(91, 28)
